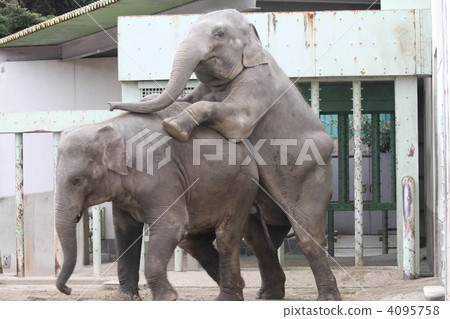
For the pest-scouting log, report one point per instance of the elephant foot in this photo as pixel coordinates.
(124, 296)
(229, 296)
(164, 294)
(330, 294)
(271, 292)
(179, 126)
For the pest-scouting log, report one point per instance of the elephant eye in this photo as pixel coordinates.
(219, 35)
(76, 181)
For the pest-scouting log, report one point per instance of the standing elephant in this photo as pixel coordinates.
(243, 93)
(184, 203)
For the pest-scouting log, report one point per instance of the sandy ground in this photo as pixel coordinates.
(355, 283)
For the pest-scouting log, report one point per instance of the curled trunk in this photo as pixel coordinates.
(66, 229)
(184, 64)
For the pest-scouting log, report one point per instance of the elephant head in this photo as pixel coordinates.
(90, 161)
(217, 48)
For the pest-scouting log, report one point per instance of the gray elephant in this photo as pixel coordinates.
(243, 93)
(185, 204)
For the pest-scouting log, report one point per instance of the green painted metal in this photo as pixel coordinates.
(343, 157)
(376, 181)
(85, 21)
(385, 232)
(330, 238)
(378, 102)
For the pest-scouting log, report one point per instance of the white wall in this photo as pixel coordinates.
(85, 84)
(29, 86)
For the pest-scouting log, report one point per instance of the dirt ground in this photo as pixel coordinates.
(355, 283)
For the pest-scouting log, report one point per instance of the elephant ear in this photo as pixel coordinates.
(253, 51)
(114, 152)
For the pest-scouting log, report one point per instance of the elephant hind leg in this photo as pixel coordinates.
(308, 220)
(201, 248)
(272, 275)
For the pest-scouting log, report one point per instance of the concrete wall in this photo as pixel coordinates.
(85, 84)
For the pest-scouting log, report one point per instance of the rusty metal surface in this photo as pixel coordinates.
(358, 172)
(408, 213)
(304, 44)
(20, 245)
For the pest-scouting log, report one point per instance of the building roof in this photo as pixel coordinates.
(84, 21)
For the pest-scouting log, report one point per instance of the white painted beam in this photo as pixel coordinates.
(51, 121)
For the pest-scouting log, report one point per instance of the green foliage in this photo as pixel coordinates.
(15, 18)
(16, 15)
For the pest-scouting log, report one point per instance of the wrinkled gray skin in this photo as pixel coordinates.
(243, 93)
(92, 169)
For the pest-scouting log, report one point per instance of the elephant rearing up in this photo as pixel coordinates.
(219, 48)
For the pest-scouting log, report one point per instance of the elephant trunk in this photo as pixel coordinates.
(66, 230)
(184, 64)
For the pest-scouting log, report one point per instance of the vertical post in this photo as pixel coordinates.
(178, 259)
(376, 180)
(330, 238)
(58, 249)
(407, 153)
(385, 232)
(315, 99)
(358, 191)
(408, 209)
(145, 242)
(96, 241)
(20, 246)
(280, 252)
(343, 158)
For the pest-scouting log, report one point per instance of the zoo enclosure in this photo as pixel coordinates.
(312, 48)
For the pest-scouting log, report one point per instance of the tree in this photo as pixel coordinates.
(16, 15)
(14, 18)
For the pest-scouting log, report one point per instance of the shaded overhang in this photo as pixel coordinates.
(92, 30)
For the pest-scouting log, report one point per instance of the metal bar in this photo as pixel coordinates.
(331, 233)
(178, 259)
(58, 249)
(144, 245)
(376, 180)
(393, 167)
(366, 206)
(96, 240)
(280, 253)
(20, 243)
(51, 121)
(315, 100)
(358, 191)
(385, 232)
(343, 157)
(408, 213)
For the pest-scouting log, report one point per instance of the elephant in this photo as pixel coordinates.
(244, 95)
(183, 203)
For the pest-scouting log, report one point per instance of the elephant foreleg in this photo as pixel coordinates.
(128, 243)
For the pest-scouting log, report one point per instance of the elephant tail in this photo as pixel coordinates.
(260, 216)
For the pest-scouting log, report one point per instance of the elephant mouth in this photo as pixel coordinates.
(78, 218)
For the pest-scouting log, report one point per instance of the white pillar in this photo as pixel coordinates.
(96, 241)
(407, 155)
(358, 191)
